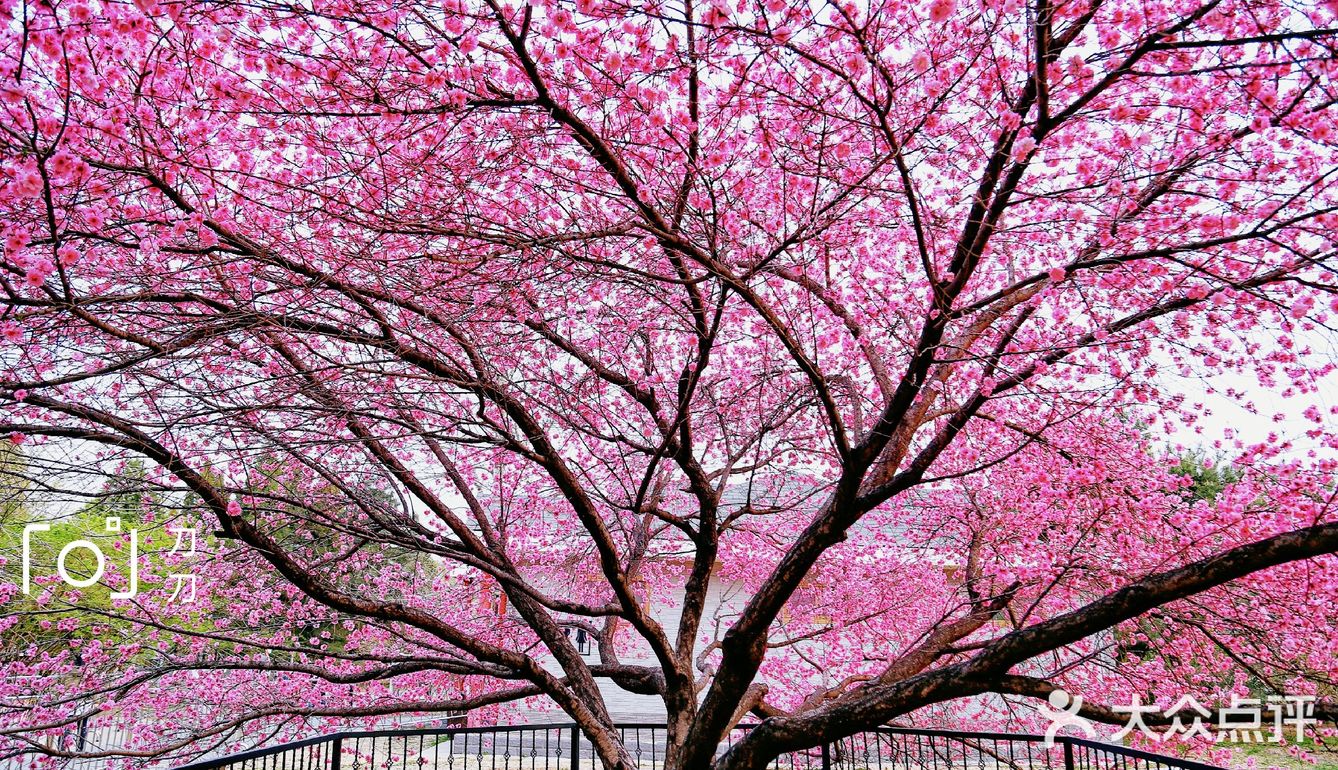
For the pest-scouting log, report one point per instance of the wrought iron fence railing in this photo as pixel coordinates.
(561, 747)
(86, 735)
(95, 742)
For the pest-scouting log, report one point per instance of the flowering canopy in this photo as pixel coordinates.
(866, 307)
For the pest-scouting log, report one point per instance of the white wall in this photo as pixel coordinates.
(722, 602)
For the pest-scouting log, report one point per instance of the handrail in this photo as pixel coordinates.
(337, 739)
(257, 753)
(392, 732)
(966, 734)
(1125, 751)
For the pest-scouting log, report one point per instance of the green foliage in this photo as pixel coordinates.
(57, 614)
(14, 486)
(46, 622)
(1209, 475)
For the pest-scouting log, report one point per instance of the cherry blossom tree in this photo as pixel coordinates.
(467, 325)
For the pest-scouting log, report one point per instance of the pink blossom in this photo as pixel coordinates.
(1023, 147)
(941, 10)
(15, 241)
(65, 165)
(29, 183)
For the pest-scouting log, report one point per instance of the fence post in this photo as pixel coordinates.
(575, 748)
(826, 756)
(338, 754)
(1068, 754)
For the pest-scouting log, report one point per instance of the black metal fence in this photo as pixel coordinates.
(561, 747)
(85, 736)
